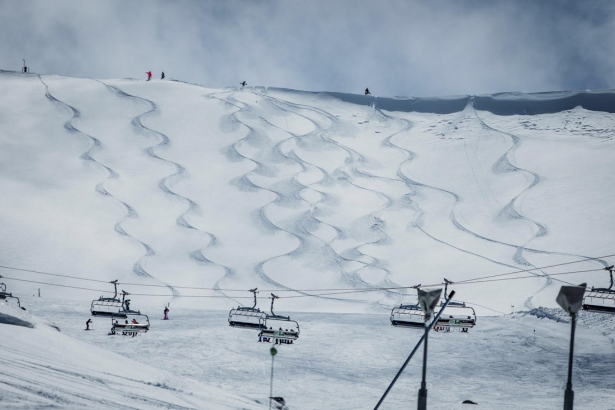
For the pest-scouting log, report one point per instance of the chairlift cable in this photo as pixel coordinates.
(336, 291)
(53, 274)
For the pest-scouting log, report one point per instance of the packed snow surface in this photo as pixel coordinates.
(191, 195)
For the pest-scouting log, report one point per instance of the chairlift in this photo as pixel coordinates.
(131, 326)
(460, 318)
(106, 306)
(248, 317)
(600, 300)
(280, 329)
(6, 296)
(408, 315)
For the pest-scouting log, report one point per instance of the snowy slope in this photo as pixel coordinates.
(346, 361)
(42, 367)
(167, 183)
(175, 185)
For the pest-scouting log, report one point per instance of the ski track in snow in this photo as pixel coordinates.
(500, 166)
(247, 184)
(345, 173)
(354, 158)
(137, 123)
(503, 165)
(299, 231)
(87, 156)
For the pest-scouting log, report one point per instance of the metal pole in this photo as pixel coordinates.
(273, 352)
(569, 395)
(433, 322)
(422, 403)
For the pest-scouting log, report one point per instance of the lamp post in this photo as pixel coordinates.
(428, 301)
(273, 352)
(570, 298)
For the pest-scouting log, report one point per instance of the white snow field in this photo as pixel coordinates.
(191, 195)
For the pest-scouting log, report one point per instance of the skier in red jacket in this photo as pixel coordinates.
(149, 75)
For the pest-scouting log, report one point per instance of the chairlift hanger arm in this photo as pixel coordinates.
(254, 291)
(273, 298)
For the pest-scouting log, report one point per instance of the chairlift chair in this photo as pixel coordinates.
(408, 316)
(128, 328)
(459, 318)
(107, 306)
(600, 300)
(247, 317)
(277, 327)
(6, 296)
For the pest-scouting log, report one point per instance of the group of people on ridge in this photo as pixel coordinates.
(149, 75)
(243, 83)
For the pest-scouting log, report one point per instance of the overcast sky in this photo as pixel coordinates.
(404, 48)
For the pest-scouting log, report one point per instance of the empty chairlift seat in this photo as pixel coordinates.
(408, 316)
(106, 306)
(247, 317)
(600, 300)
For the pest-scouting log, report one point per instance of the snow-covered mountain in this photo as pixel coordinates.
(174, 184)
(192, 195)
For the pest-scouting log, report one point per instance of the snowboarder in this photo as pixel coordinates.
(243, 83)
(149, 75)
(166, 313)
(367, 91)
(162, 76)
(87, 324)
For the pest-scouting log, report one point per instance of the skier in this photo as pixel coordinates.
(127, 302)
(134, 322)
(367, 91)
(166, 313)
(87, 324)
(243, 83)
(149, 75)
(162, 76)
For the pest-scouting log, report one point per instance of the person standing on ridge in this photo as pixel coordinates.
(162, 76)
(166, 313)
(87, 324)
(149, 75)
(367, 91)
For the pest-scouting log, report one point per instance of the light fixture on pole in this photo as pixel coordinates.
(570, 298)
(428, 301)
(273, 352)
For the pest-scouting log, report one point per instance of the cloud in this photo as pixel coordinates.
(395, 48)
